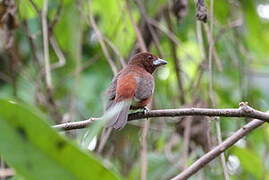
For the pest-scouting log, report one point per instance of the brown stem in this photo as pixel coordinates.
(137, 31)
(150, 28)
(176, 59)
(205, 159)
(102, 43)
(243, 111)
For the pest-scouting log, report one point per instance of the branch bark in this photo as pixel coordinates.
(177, 62)
(243, 111)
(205, 159)
(5, 173)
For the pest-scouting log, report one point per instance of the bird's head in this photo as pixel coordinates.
(147, 60)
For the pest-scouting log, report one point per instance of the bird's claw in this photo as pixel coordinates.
(145, 110)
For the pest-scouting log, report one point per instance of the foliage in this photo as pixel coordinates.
(23, 133)
(240, 73)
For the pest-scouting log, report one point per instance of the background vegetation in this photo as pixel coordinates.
(58, 57)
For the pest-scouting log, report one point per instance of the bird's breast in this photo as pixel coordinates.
(145, 87)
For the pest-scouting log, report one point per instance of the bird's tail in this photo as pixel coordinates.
(119, 119)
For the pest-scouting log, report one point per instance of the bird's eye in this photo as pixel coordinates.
(150, 57)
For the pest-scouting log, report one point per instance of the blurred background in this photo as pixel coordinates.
(60, 56)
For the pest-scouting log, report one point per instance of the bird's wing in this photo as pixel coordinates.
(111, 92)
(126, 87)
(125, 90)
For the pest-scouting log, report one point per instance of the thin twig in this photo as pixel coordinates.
(58, 53)
(205, 159)
(139, 36)
(187, 133)
(200, 40)
(210, 53)
(176, 60)
(222, 156)
(196, 80)
(53, 40)
(100, 38)
(57, 16)
(35, 6)
(211, 91)
(32, 44)
(144, 159)
(209, 35)
(171, 35)
(48, 96)
(46, 45)
(78, 66)
(90, 61)
(144, 162)
(243, 111)
(151, 30)
(116, 51)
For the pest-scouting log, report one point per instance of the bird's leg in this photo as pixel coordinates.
(145, 110)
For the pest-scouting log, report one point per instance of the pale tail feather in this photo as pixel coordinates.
(120, 118)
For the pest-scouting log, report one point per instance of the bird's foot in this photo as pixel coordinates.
(145, 110)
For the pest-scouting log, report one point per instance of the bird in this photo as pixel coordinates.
(132, 88)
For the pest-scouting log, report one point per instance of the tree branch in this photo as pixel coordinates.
(5, 173)
(101, 40)
(243, 111)
(205, 159)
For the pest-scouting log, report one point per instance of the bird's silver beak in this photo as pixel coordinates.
(159, 62)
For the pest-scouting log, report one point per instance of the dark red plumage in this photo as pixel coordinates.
(132, 87)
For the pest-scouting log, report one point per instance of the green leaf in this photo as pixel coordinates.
(255, 27)
(221, 10)
(37, 151)
(27, 10)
